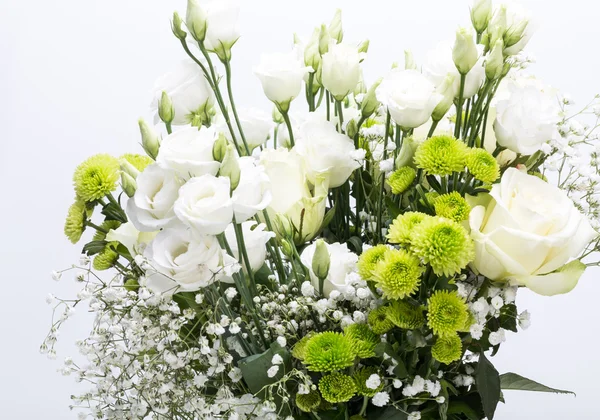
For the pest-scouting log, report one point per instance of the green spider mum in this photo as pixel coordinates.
(329, 351)
(107, 225)
(337, 387)
(140, 162)
(405, 315)
(401, 228)
(452, 206)
(105, 259)
(75, 222)
(398, 275)
(361, 377)
(299, 350)
(308, 402)
(369, 259)
(441, 155)
(444, 244)
(96, 177)
(447, 312)
(482, 165)
(400, 180)
(363, 338)
(447, 349)
(378, 321)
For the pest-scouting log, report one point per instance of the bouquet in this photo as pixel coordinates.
(355, 254)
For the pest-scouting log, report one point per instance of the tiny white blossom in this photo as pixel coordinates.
(234, 328)
(397, 383)
(277, 360)
(231, 293)
(373, 381)
(380, 399)
(497, 337)
(497, 302)
(272, 371)
(415, 415)
(56, 275)
(281, 341)
(386, 166)
(525, 320)
(440, 400)
(358, 154)
(307, 289)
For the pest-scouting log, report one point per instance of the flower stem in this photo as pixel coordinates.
(232, 102)
(459, 106)
(243, 254)
(288, 123)
(434, 125)
(379, 225)
(340, 113)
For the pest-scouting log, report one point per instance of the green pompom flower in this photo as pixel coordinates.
(75, 224)
(308, 402)
(482, 165)
(452, 206)
(378, 321)
(447, 312)
(299, 350)
(105, 259)
(107, 225)
(96, 177)
(369, 259)
(361, 377)
(405, 315)
(441, 155)
(329, 351)
(400, 180)
(337, 388)
(400, 231)
(447, 349)
(444, 244)
(140, 162)
(363, 338)
(398, 275)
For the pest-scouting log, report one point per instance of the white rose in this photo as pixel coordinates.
(205, 205)
(222, 30)
(189, 91)
(257, 126)
(342, 263)
(253, 193)
(180, 261)
(255, 239)
(439, 64)
(525, 231)
(151, 208)
(292, 195)
(326, 152)
(189, 152)
(526, 119)
(281, 76)
(134, 240)
(341, 69)
(409, 97)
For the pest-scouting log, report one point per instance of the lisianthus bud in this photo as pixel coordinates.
(464, 53)
(370, 103)
(335, 27)
(494, 65)
(176, 27)
(352, 129)
(277, 117)
(195, 19)
(128, 184)
(287, 248)
(230, 167)
(220, 148)
(150, 140)
(284, 226)
(321, 260)
(446, 89)
(363, 47)
(497, 27)
(515, 33)
(409, 60)
(324, 40)
(312, 56)
(481, 13)
(166, 111)
(128, 168)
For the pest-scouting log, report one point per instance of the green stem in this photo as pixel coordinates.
(434, 125)
(288, 123)
(98, 228)
(327, 101)
(243, 254)
(365, 404)
(232, 102)
(340, 113)
(310, 97)
(169, 129)
(379, 224)
(459, 106)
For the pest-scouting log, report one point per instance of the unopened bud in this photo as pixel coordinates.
(220, 148)
(150, 140)
(494, 64)
(277, 117)
(446, 89)
(176, 27)
(464, 53)
(321, 260)
(128, 168)
(335, 27)
(287, 248)
(352, 129)
(409, 60)
(497, 27)
(195, 19)
(324, 40)
(363, 47)
(312, 56)
(131, 285)
(283, 226)
(515, 33)
(128, 184)
(166, 111)
(370, 103)
(481, 13)
(230, 167)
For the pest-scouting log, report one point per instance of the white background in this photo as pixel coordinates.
(76, 74)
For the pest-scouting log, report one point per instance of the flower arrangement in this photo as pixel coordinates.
(359, 260)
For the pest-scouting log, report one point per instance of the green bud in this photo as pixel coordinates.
(150, 140)
(277, 117)
(464, 53)
(166, 112)
(283, 226)
(131, 285)
(352, 129)
(446, 89)
(176, 27)
(335, 27)
(230, 166)
(494, 65)
(324, 40)
(220, 148)
(409, 60)
(515, 33)
(481, 13)
(363, 47)
(128, 184)
(497, 27)
(128, 168)
(360, 88)
(321, 260)
(297, 40)
(506, 69)
(287, 248)
(370, 103)
(312, 56)
(195, 19)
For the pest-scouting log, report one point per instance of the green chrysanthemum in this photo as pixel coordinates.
(140, 162)
(469, 320)
(308, 402)
(401, 228)
(369, 259)
(361, 377)
(447, 349)
(107, 225)
(378, 320)
(337, 387)
(447, 312)
(398, 275)
(329, 351)
(444, 244)
(405, 315)
(299, 350)
(75, 223)
(452, 206)
(96, 177)
(363, 338)
(105, 259)
(131, 285)
(400, 180)
(482, 165)
(441, 155)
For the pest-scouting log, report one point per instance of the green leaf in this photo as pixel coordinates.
(262, 275)
(254, 368)
(333, 414)
(519, 383)
(461, 407)
(355, 244)
(488, 385)
(386, 348)
(114, 212)
(94, 247)
(388, 413)
(328, 217)
(393, 209)
(508, 317)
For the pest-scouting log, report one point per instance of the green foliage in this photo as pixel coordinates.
(488, 385)
(519, 383)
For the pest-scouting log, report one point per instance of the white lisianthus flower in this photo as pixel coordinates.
(253, 193)
(222, 30)
(325, 151)
(257, 126)
(526, 119)
(281, 76)
(205, 205)
(189, 152)
(255, 239)
(341, 69)
(342, 262)
(134, 240)
(526, 231)
(189, 91)
(151, 207)
(409, 97)
(292, 195)
(180, 261)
